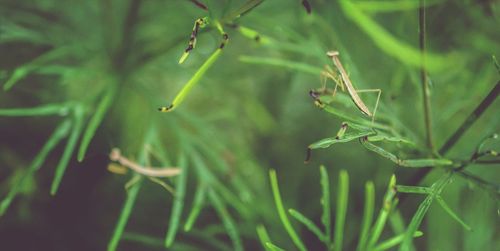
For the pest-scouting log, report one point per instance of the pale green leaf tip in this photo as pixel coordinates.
(80, 157)
(183, 57)
(392, 182)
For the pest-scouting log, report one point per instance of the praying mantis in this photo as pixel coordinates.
(152, 173)
(342, 79)
(365, 134)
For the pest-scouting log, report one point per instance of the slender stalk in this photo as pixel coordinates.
(423, 76)
(487, 101)
(245, 8)
(453, 139)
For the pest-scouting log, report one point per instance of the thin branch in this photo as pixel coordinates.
(487, 101)
(473, 117)
(493, 188)
(423, 76)
(244, 9)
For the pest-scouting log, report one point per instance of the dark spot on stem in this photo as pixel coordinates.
(308, 155)
(307, 6)
(200, 5)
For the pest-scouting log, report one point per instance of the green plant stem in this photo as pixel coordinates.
(227, 221)
(487, 101)
(367, 215)
(61, 132)
(453, 139)
(69, 148)
(178, 203)
(340, 217)
(281, 212)
(417, 219)
(95, 121)
(124, 215)
(423, 76)
(493, 188)
(245, 8)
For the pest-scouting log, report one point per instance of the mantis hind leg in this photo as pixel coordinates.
(379, 93)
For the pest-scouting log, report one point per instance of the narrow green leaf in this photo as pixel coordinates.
(325, 202)
(308, 223)
(382, 137)
(419, 163)
(44, 59)
(394, 47)
(68, 150)
(412, 163)
(132, 187)
(327, 142)
(379, 150)
(453, 215)
(361, 122)
(495, 62)
(228, 222)
(387, 206)
(291, 65)
(207, 176)
(59, 133)
(125, 213)
(367, 215)
(18, 74)
(244, 8)
(199, 199)
(178, 203)
(210, 239)
(198, 75)
(397, 222)
(281, 211)
(416, 220)
(273, 247)
(389, 6)
(95, 121)
(340, 216)
(44, 110)
(413, 189)
(394, 241)
(263, 237)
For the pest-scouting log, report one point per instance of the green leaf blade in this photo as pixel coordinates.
(340, 217)
(95, 121)
(308, 223)
(59, 133)
(325, 202)
(281, 211)
(367, 215)
(178, 203)
(68, 150)
(227, 221)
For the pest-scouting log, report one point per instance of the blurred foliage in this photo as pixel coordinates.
(82, 77)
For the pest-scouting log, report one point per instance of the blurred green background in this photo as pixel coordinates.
(115, 62)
